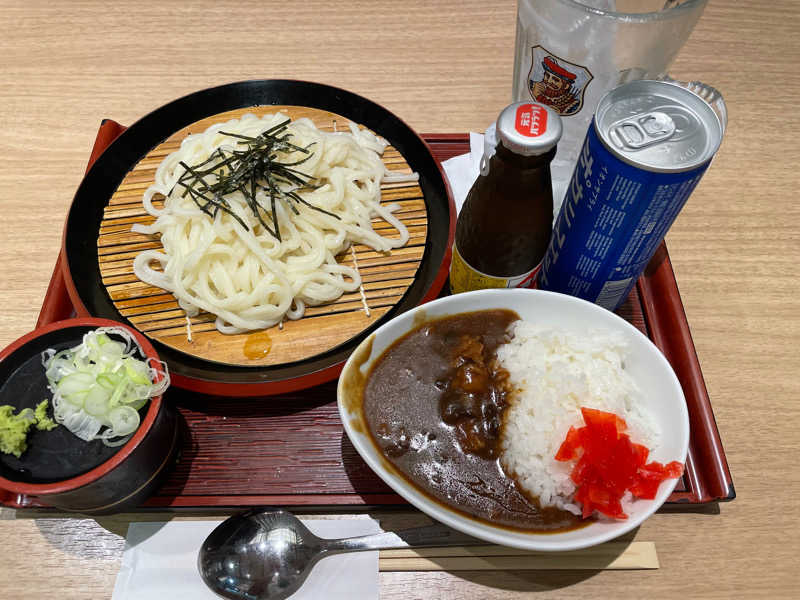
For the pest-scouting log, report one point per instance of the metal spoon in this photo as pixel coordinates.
(266, 554)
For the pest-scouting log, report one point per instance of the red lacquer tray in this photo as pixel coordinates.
(291, 449)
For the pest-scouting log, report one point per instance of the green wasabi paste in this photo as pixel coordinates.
(14, 428)
(43, 422)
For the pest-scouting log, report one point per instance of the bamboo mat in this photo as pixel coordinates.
(386, 276)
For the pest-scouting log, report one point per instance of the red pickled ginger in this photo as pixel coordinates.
(608, 464)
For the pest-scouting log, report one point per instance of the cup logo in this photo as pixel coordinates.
(557, 82)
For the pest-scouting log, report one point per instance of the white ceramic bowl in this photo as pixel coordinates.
(661, 392)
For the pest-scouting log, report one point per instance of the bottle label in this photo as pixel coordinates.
(531, 120)
(465, 278)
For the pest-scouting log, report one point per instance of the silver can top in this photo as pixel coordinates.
(529, 128)
(658, 126)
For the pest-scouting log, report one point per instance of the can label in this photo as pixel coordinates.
(465, 278)
(612, 219)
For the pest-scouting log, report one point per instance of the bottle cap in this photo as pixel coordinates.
(529, 128)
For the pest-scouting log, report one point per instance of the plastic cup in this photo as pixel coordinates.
(569, 54)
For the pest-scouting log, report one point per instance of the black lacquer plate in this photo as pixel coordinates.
(53, 455)
(82, 273)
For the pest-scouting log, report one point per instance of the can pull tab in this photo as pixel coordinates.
(643, 130)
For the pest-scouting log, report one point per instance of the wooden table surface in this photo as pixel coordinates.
(443, 67)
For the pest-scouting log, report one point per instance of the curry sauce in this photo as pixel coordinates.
(433, 404)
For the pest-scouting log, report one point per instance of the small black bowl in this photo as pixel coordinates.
(62, 470)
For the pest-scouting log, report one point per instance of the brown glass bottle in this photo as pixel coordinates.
(504, 227)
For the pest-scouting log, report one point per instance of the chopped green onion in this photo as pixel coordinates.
(101, 383)
(124, 420)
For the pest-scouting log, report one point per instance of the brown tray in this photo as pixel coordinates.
(291, 449)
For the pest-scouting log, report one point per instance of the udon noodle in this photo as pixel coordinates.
(246, 276)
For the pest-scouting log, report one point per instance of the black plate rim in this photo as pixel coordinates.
(102, 179)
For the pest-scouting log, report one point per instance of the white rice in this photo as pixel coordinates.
(554, 373)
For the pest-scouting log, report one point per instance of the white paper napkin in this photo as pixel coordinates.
(462, 170)
(160, 561)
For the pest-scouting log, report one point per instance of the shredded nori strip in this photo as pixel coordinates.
(248, 170)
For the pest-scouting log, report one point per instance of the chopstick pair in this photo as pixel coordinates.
(611, 555)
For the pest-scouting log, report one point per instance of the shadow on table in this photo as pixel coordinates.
(542, 578)
(536, 580)
(711, 508)
(525, 581)
(105, 537)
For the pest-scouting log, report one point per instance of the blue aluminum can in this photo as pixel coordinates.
(647, 148)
